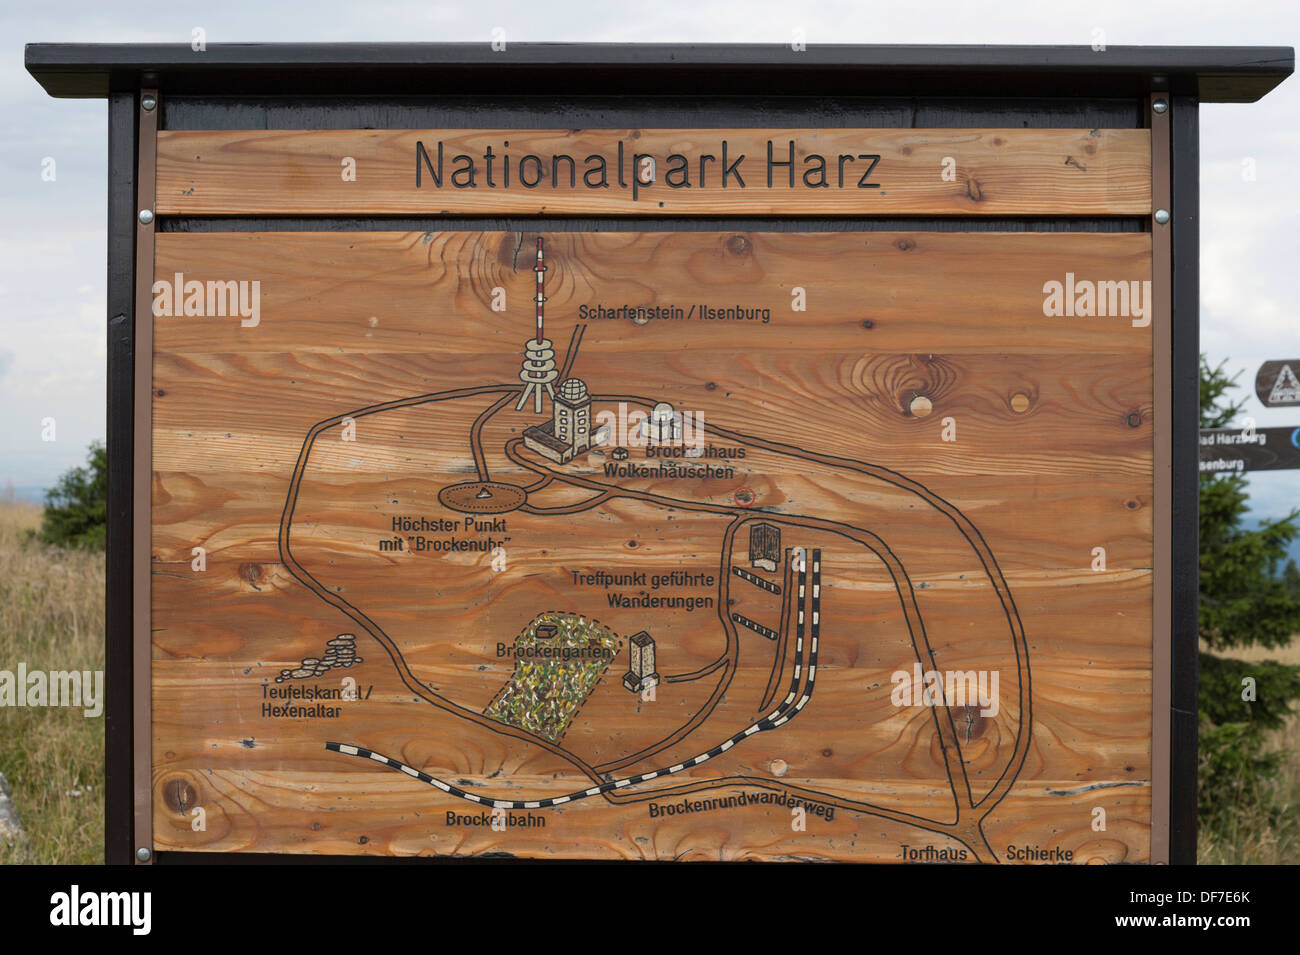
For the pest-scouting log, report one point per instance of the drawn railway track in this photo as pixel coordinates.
(788, 709)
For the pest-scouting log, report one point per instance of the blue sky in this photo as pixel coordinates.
(52, 250)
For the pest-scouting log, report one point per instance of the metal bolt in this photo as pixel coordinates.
(1159, 106)
(143, 854)
(149, 102)
(146, 216)
(1162, 216)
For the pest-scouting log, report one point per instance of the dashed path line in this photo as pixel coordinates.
(756, 580)
(754, 625)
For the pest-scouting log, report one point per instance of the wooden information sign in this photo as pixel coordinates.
(743, 489)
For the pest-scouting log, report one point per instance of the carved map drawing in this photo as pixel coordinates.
(698, 545)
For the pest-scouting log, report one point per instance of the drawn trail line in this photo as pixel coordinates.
(968, 833)
(782, 714)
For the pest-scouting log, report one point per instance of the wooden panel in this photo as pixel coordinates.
(958, 533)
(716, 172)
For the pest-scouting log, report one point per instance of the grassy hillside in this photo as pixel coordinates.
(51, 618)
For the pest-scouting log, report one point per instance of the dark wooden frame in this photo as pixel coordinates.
(119, 756)
(1213, 73)
(252, 85)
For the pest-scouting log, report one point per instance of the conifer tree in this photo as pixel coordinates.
(1249, 597)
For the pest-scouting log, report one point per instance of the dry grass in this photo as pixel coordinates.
(51, 618)
(1288, 654)
(1256, 841)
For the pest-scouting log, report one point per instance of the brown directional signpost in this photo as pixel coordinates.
(1277, 383)
(1228, 450)
(1238, 450)
(653, 452)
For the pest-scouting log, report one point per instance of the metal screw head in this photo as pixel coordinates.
(1162, 216)
(148, 102)
(143, 854)
(146, 216)
(1159, 106)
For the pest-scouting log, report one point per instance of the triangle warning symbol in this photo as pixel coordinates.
(1286, 389)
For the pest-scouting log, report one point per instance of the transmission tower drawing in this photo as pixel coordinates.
(538, 371)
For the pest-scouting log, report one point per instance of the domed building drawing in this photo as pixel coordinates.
(573, 414)
(569, 430)
(664, 426)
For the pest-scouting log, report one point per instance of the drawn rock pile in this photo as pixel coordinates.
(340, 653)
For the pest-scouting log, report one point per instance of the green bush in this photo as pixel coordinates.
(76, 509)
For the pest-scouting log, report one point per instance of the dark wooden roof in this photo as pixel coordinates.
(1217, 74)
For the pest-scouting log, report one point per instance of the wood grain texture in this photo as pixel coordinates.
(941, 172)
(975, 554)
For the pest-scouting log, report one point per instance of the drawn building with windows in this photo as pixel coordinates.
(569, 430)
(765, 546)
(641, 673)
